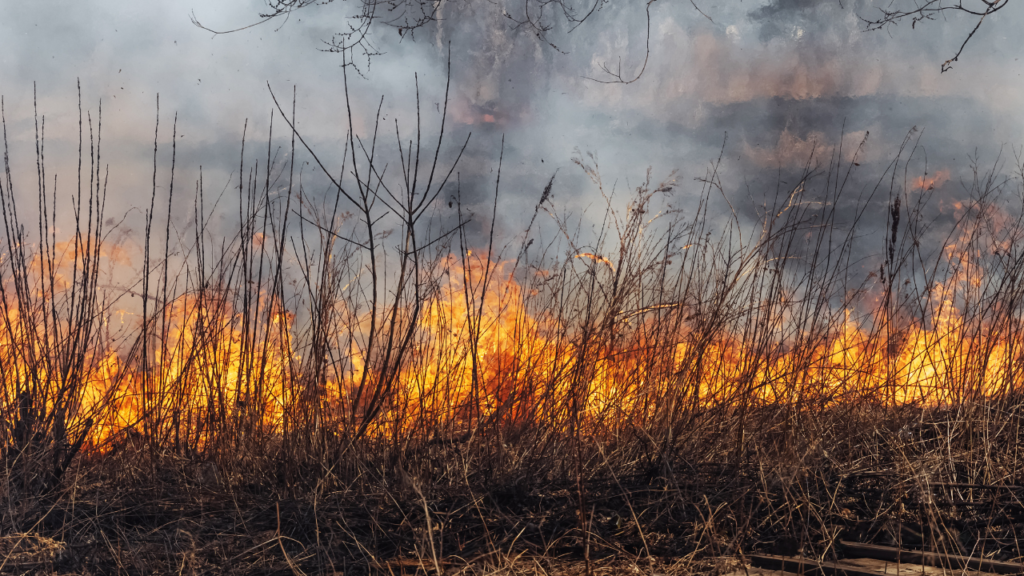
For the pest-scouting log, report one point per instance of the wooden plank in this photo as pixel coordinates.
(930, 558)
(885, 567)
(755, 571)
(1008, 487)
(807, 567)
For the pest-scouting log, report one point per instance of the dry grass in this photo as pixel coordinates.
(331, 391)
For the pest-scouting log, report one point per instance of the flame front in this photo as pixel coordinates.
(589, 346)
(482, 357)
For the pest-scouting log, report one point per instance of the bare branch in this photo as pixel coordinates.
(925, 10)
(616, 76)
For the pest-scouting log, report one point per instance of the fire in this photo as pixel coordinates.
(487, 351)
(931, 182)
(597, 258)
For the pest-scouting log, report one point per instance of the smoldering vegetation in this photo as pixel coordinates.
(355, 383)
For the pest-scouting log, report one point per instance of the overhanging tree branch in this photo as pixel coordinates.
(924, 10)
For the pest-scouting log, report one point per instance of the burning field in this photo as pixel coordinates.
(364, 384)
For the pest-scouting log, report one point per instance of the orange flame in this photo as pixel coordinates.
(597, 258)
(488, 353)
(931, 182)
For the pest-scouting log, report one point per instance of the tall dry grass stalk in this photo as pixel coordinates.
(358, 341)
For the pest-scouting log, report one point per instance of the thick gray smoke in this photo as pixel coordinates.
(774, 80)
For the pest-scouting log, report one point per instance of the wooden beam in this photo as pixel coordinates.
(807, 567)
(930, 558)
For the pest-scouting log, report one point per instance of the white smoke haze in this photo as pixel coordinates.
(774, 80)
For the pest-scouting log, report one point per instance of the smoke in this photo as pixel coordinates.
(784, 79)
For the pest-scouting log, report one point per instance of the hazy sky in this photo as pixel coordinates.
(778, 77)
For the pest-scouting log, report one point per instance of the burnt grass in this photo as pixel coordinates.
(897, 485)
